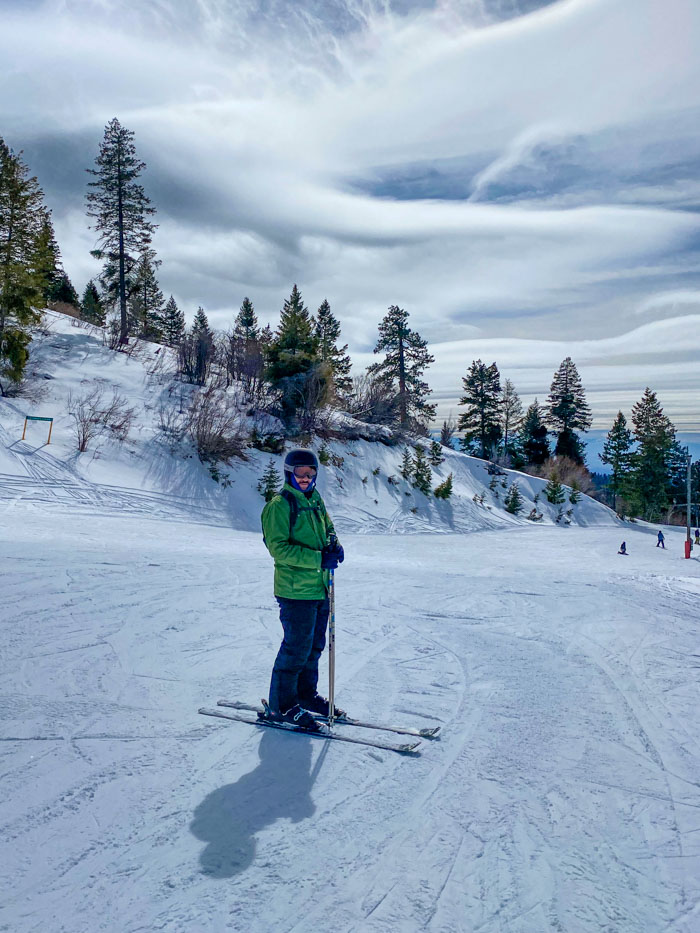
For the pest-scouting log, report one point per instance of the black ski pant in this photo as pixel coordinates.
(295, 673)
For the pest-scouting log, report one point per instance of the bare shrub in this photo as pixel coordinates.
(568, 472)
(171, 422)
(372, 401)
(215, 425)
(94, 416)
(63, 307)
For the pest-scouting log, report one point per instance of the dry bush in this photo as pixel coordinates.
(568, 471)
(372, 400)
(93, 416)
(215, 425)
(63, 307)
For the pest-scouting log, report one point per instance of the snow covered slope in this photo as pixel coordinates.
(563, 794)
(142, 476)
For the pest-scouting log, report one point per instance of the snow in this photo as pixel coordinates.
(562, 795)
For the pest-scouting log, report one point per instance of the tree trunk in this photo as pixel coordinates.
(403, 407)
(123, 330)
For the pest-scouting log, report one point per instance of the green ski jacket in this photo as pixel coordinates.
(298, 573)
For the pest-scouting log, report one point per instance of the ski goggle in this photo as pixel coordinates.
(304, 472)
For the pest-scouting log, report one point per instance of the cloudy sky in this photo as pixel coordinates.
(522, 176)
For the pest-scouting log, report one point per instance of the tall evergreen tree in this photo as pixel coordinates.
(91, 307)
(120, 209)
(293, 367)
(568, 411)
(146, 302)
(173, 323)
(47, 258)
(21, 282)
(617, 453)
(246, 324)
(652, 461)
(533, 435)
(481, 422)
(406, 359)
(197, 350)
(511, 415)
(327, 329)
(64, 291)
(243, 350)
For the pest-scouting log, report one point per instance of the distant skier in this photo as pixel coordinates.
(660, 540)
(299, 534)
(697, 536)
(623, 549)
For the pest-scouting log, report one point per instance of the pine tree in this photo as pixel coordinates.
(301, 380)
(246, 324)
(91, 309)
(46, 261)
(511, 415)
(120, 209)
(406, 467)
(197, 349)
(173, 323)
(568, 411)
(64, 291)
(513, 501)
(481, 422)
(402, 369)
(146, 302)
(575, 494)
(47, 258)
(244, 350)
(422, 475)
(617, 453)
(651, 462)
(447, 431)
(554, 491)
(444, 490)
(533, 436)
(436, 455)
(269, 483)
(21, 283)
(327, 330)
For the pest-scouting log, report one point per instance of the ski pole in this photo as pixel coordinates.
(331, 652)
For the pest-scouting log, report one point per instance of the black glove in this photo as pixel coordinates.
(332, 555)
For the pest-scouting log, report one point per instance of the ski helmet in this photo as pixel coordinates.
(299, 457)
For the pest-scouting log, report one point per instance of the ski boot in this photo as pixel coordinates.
(319, 705)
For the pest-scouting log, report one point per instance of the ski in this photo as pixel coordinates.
(346, 721)
(326, 734)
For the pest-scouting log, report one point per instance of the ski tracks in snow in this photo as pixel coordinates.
(561, 796)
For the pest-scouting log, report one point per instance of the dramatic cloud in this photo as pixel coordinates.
(523, 177)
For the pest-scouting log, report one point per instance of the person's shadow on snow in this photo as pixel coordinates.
(229, 818)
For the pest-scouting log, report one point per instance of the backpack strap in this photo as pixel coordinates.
(291, 501)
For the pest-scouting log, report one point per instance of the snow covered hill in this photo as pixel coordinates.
(142, 475)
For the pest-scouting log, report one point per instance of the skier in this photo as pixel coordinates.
(300, 536)
(623, 549)
(660, 540)
(697, 536)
